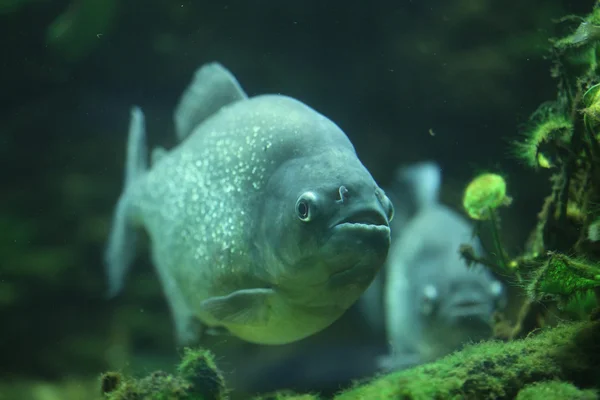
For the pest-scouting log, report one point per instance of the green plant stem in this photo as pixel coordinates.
(501, 253)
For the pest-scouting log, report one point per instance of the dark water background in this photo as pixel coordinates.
(387, 72)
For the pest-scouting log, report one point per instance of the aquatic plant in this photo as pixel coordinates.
(550, 390)
(561, 264)
(562, 277)
(484, 194)
(496, 370)
(286, 395)
(482, 197)
(555, 359)
(197, 378)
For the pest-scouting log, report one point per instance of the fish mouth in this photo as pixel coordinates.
(364, 218)
(361, 240)
(471, 308)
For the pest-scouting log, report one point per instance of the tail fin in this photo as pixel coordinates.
(122, 240)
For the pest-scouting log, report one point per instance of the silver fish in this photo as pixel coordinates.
(428, 301)
(262, 220)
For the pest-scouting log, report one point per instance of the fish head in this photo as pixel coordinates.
(456, 303)
(466, 303)
(325, 227)
(452, 301)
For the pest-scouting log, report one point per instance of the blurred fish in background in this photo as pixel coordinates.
(426, 299)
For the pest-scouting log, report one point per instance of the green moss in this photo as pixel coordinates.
(488, 370)
(197, 378)
(198, 367)
(587, 32)
(286, 395)
(110, 381)
(495, 370)
(533, 149)
(158, 386)
(564, 277)
(555, 390)
(581, 305)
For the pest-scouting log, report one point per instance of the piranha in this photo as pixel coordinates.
(426, 299)
(262, 220)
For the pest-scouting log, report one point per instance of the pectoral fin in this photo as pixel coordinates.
(244, 307)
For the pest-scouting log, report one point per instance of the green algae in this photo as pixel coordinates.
(546, 127)
(484, 193)
(197, 378)
(286, 395)
(563, 359)
(555, 390)
(496, 370)
(564, 277)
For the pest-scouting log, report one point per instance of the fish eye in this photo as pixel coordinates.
(430, 293)
(305, 206)
(496, 289)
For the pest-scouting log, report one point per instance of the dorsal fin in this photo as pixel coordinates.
(415, 187)
(212, 87)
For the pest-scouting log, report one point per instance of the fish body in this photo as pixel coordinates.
(262, 220)
(429, 301)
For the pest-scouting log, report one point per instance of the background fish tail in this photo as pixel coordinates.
(122, 240)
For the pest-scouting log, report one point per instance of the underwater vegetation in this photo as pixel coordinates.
(561, 263)
(197, 378)
(557, 360)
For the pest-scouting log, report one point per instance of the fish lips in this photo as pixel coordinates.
(361, 243)
(363, 230)
(363, 218)
(469, 312)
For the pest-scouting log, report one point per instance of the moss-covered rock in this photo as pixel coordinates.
(497, 370)
(197, 378)
(555, 390)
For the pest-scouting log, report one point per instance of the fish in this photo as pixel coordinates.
(263, 222)
(426, 300)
